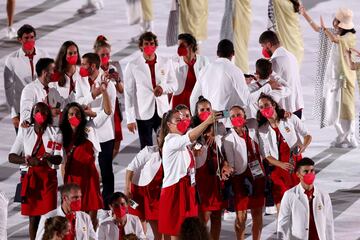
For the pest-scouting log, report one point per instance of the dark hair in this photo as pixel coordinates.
(189, 39)
(269, 37)
(195, 120)
(131, 236)
(240, 108)
(115, 196)
(68, 187)
(180, 107)
(148, 36)
(80, 135)
(26, 28)
(43, 108)
(193, 229)
(279, 111)
(263, 68)
(92, 58)
(54, 225)
(164, 128)
(225, 48)
(343, 32)
(304, 162)
(42, 65)
(296, 5)
(61, 63)
(101, 41)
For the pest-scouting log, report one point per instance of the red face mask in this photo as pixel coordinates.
(183, 125)
(84, 72)
(72, 60)
(182, 51)
(238, 121)
(267, 112)
(149, 50)
(39, 118)
(105, 60)
(74, 121)
(120, 211)
(266, 53)
(55, 77)
(75, 205)
(29, 45)
(204, 115)
(309, 178)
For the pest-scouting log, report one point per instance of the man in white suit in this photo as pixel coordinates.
(306, 211)
(149, 79)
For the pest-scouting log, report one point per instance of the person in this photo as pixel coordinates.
(37, 147)
(284, 19)
(82, 148)
(143, 181)
(113, 68)
(121, 222)
(209, 161)
(4, 201)
(10, 9)
(56, 228)
(140, 12)
(91, 6)
(187, 68)
(89, 93)
(241, 147)
(231, 87)
(193, 18)
(39, 91)
(20, 70)
(336, 80)
(282, 140)
(178, 188)
(148, 80)
(285, 65)
(193, 229)
(81, 225)
(306, 210)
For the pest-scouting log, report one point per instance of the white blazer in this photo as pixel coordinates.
(294, 215)
(277, 95)
(145, 165)
(181, 70)
(292, 129)
(103, 123)
(140, 100)
(33, 93)
(286, 66)
(108, 230)
(83, 225)
(17, 74)
(223, 84)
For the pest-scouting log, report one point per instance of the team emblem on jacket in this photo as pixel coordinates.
(287, 129)
(87, 130)
(162, 72)
(319, 207)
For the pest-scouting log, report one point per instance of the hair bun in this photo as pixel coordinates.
(201, 98)
(101, 38)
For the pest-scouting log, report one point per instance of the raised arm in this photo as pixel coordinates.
(312, 24)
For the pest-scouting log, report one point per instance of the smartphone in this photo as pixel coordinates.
(225, 113)
(111, 70)
(133, 204)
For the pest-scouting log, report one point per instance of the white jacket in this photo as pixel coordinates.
(181, 70)
(292, 129)
(223, 84)
(294, 215)
(83, 225)
(286, 66)
(145, 165)
(140, 100)
(103, 123)
(108, 230)
(17, 74)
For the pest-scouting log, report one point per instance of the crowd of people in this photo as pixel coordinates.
(224, 139)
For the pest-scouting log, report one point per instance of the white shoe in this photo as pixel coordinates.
(229, 216)
(91, 7)
(270, 210)
(11, 33)
(352, 143)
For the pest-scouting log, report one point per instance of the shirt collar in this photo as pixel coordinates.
(151, 62)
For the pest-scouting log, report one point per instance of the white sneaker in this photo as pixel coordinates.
(11, 33)
(352, 143)
(91, 7)
(270, 210)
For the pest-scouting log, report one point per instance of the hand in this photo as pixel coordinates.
(89, 112)
(210, 139)
(25, 124)
(226, 172)
(132, 127)
(115, 76)
(354, 50)
(95, 91)
(322, 24)
(213, 117)
(55, 112)
(286, 166)
(128, 192)
(32, 161)
(275, 85)
(287, 114)
(302, 10)
(158, 91)
(16, 121)
(301, 148)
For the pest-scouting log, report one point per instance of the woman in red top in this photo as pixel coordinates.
(36, 147)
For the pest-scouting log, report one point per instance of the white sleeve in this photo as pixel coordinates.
(79, 95)
(229, 152)
(18, 146)
(3, 215)
(195, 94)
(264, 145)
(129, 94)
(330, 235)
(100, 232)
(139, 230)
(178, 142)
(101, 116)
(27, 101)
(299, 126)
(58, 149)
(139, 160)
(92, 234)
(284, 218)
(171, 84)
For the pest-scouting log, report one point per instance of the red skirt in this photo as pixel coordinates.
(210, 197)
(177, 203)
(148, 198)
(81, 170)
(39, 191)
(244, 202)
